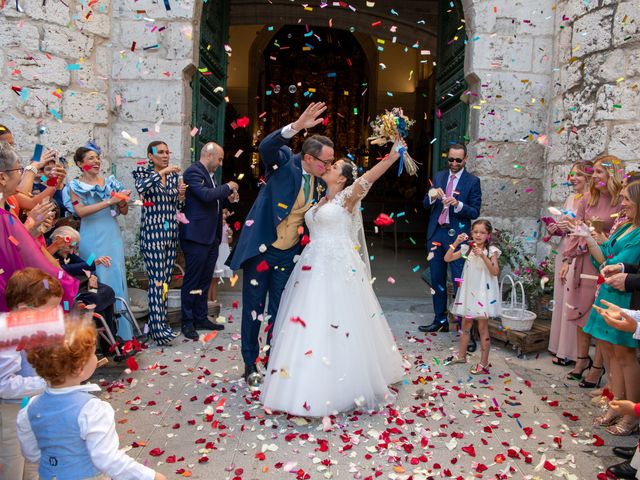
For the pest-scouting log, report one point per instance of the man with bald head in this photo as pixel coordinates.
(200, 238)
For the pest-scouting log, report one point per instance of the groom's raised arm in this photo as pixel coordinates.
(271, 148)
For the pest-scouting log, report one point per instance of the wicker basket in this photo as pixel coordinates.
(514, 314)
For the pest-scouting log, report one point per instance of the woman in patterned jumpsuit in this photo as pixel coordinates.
(162, 194)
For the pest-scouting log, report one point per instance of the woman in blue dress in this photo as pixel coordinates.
(162, 195)
(618, 347)
(97, 201)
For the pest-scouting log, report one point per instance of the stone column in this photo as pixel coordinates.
(508, 67)
(153, 50)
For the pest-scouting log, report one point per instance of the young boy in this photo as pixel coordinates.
(70, 432)
(28, 288)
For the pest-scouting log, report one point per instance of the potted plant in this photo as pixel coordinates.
(537, 280)
(536, 276)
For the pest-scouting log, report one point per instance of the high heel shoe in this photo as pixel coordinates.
(606, 420)
(624, 427)
(578, 375)
(585, 384)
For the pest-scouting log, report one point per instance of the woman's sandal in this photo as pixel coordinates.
(578, 375)
(624, 427)
(453, 359)
(480, 369)
(563, 362)
(606, 420)
(600, 401)
(584, 384)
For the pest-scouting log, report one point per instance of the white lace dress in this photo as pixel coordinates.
(332, 349)
(479, 294)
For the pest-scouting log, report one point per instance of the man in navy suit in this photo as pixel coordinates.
(455, 201)
(270, 237)
(200, 238)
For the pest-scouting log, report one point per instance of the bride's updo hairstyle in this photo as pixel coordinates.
(349, 171)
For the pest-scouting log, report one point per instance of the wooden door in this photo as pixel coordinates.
(210, 81)
(452, 114)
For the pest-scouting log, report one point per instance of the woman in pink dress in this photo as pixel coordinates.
(562, 340)
(598, 208)
(18, 248)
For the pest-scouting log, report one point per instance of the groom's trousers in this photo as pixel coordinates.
(256, 285)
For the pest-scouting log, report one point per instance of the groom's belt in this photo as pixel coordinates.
(444, 225)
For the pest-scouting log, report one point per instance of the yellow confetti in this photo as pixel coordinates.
(282, 205)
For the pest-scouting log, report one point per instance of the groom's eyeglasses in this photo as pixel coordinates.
(327, 163)
(457, 160)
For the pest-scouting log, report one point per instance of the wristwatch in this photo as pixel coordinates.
(32, 169)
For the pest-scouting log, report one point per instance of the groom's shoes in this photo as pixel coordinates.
(248, 370)
(435, 327)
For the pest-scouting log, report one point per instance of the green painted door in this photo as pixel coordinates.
(452, 114)
(210, 81)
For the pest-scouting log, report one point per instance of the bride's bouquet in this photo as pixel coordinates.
(390, 126)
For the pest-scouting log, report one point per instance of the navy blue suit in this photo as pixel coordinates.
(469, 193)
(200, 239)
(283, 181)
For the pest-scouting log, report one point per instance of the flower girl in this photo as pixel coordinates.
(478, 294)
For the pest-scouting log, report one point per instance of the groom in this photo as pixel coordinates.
(271, 234)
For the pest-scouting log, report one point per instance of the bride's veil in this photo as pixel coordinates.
(357, 235)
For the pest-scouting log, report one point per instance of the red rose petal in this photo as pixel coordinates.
(156, 452)
(470, 450)
(132, 364)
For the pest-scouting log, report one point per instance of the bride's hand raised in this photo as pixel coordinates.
(394, 154)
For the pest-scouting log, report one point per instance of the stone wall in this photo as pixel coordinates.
(149, 89)
(55, 58)
(96, 72)
(595, 108)
(595, 103)
(508, 67)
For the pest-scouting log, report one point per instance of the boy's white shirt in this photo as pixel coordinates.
(12, 385)
(97, 427)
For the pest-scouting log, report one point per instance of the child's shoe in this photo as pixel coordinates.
(480, 369)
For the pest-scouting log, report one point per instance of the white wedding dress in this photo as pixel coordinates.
(332, 349)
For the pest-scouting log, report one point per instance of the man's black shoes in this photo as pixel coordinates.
(625, 452)
(434, 327)
(622, 470)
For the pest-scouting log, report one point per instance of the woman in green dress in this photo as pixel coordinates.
(618, 347)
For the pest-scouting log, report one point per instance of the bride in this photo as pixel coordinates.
(332, 350)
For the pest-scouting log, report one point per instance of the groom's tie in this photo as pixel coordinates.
(306, 186)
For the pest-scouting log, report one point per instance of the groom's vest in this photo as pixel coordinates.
(287, 229)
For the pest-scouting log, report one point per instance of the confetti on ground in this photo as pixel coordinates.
(446, 423)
